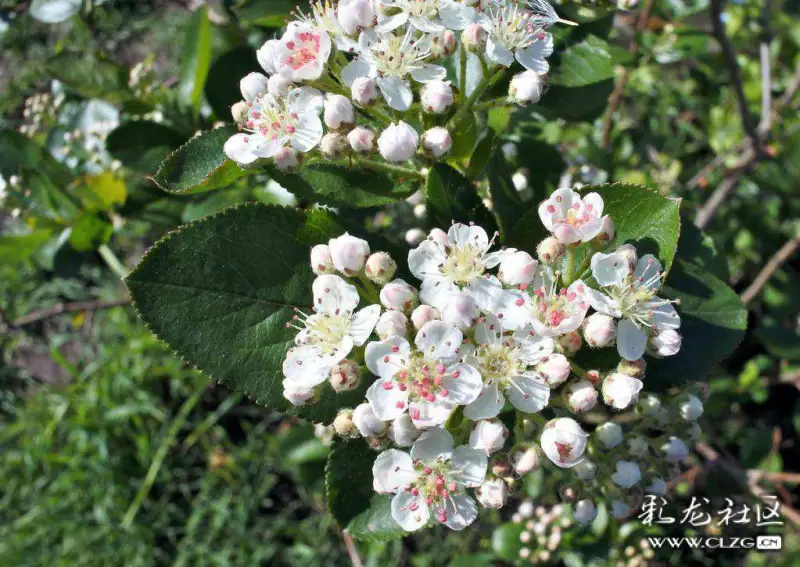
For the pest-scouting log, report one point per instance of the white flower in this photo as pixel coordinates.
(621, 390)
(571, 218)
(526, 88)
(691, 409)
(581, 396)
(266, 56)
(273, 123)
(488, 435)
(403, 432)
(584, 512)
(437, 96)
(627, 474)
(514, 33)
(631, 296)
(287, 159)
(398, 142)
(665, 343)
(253, 85)
(357, 15)
(321, 262)
(518, 268)
(437, 141)
(555, 369)
(348, 253)
(525, 461)
(380, 267)
(505, 362)
(323, 18)
(563, 441)
(474, 37)
(657, 486)
(458, 260)
(427, 16)
(364, 91)
(585, 470)
(389, 60)
(399, 295)
(428, 382)
(302, 53)
(600, 330)
(279, 86)
(493, 493)
(361, 139)
(423, 314)
(338, 112)
(432, 480)
(296, 394)
(609, 434)
(675, 450)
(329, 334)
(366, 421)
(391, 324)
(461, 310)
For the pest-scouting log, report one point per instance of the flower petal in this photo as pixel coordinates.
(363, 323)
(472, 463)
(489, 332)
(333, 295)
(409, 511)
(665, 317)
(533, 348)
(485, 290)
(487, 405)
(305, 100)
(355, 69)
(396, 92)
(439, 341)
(648, 270)
(460, 511)
(393, 471)
(609, 269)
(463, 384)
(426, 414)
(529, 393)
(388, 401)
(461, 235)
(631, 340)
(434, 444)
(306, 367)
(385, 358)
(425, 259)
(238, 149)
(428, 72)
(498, 53)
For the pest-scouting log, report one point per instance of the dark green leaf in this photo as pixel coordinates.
(89, 232)
(195, 58)
(505, 541)
(142, 145)
(222, 86)
(267, 13)
(91, 76)
(576, 103)
(506, 202)
(451, 197)
(18, 152)
(582, 64)
(481, 154)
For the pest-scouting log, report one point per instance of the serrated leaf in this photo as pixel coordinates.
(142, 145)
(221, 290)
(195, 58)
(199, 165)
(584, 63)
(451, 197)
(376, 522)
(342, 186)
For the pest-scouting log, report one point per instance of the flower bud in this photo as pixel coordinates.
(581, 396)
(349, 254)
(569, 343)
(253, 85)
(674, 450)
(460, 310)
(364, 91)
(628, 253)
(334, 145)
(391, 324)
(437, 97)
(287, 159)
(420, 211)
(649, 405)
(266, 56)
(608, 232)
(691, 409)
(297, 395)
(423, 314)
(550, 250)
(403, 432)
(554, 369)
(380, 267)
(338, 112)
(585, 470)
(600, 330)
(488, 435)
(593, 376)
(366, 422)
(474, 37)
(321, 262)
(526, 88)
(343, 424)
(525, 460)
(619, 509)
(240, 112)
(620, 390)
(657, 486)
(638, 446)
(665, 343)
(517, 269)
(437, 141)
(627, 474)
(361, 139)
(564, 442)
(634, 368)
(278, 85)
(398, 142)
(609, 434)
(399, 295)
(493, 493)
(414, 236)
(345, 376)
(443, 44)
(584, 512)
(355, 15)
(520, 181)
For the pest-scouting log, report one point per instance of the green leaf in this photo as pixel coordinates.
(451, 197)
(576, 104)
(102, 192)
(18, 152)
(199, 165)
(222, 86)
(465, 135)
(54, 11)
(505, 541)
(267, 13)
(507, 204)
(18, 248)
(89, 232)
(481, 154)
(142, 145)
(195, 58)
(91, 76)
(585, 63)
(221, 290)
(342, 186)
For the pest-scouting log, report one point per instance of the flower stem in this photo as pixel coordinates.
(568, 275)
(463, 69)
(488, 81)
(389, 168)
(112, 261)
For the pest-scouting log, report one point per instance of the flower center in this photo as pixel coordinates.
(270, 118)
(327, 331)
(435, 483)
(551, 307)
(513, 28)
(396, 55)
(423, 379)
(427, 9)
(304, 49)
(499, 362)
(463, 264)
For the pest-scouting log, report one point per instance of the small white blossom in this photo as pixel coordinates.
(427, 16)
(488, 435)
(564, 442)
(493, 493)
(338, 112)
(461, 310)
(437, 96)
(391, 324)
(287, 159)
(585, 512)
(525, 461)
(362, 140)
(518, 268)
(572, 218)
(675, 450)
(581, 396)
(627, 474)
(302, 52)
(691, 409)
(621, 390)
(437, 141)
(398, 142)
(399, 295)
(526, 88)
(514, 34)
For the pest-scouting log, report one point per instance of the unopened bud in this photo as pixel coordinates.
(399, 296)
(398, 142)
(278, 85)
(364, 91)
(345, 376)
(649, 405)
(550, 250)
(287, 159)
(488, 435)
(437, 141)
(600, 330)
(474, 37)
(609, 434)
(554, 369)
(380, 267)
(675, 450)
(321, 262)
(638, 446)
(253, 85)
(240, 112)
(564, 442)
(665, 343)
(526, 88)
(620, 390)
(343, 424)
(499, 465)
(414, 236)
(584, 512)
(403, 432)
(569, 343)
(517, 268)
(349, 254)
(366, 422)
(338, 112)
(581, 396)
(391, 324)
(356, 15)
(633, 368)
(437, 97)
(423, 314)
(608, 232)
(627, 474)
(334, 145)
(525, 460)
(691, 409)
(493, 493)
(585, 470)
(361, 139)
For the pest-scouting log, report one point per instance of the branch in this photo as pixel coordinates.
(616, 96)
(786, 251)
(728, 184)
(59, 309)
(352, 552)
(765, 124)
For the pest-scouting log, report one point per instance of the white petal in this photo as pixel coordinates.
(393, 470)
(387, 400)
(305, 100)
(436, 291)
(489, 332)
(455, 15)
(429, 73)
(530, 393)
(498, 53)
(238, 149)
(425, 259)
(647, 268)
(355, 69)
(594, 202)
(333, 295)
(383, 360)
(602, 303)
(533, 347)
(396, 92)
(308, 134)
(304, 366)
(267, 148)
(665, 317)
(514, 306)
(534, 58)
(487, 405)
(472, 463)
(465, 388)
(460, 511)
(609, 269)
(485, 290)
(566, 233)
(439, 341)
(425, 25)
(426, 414)
(363, 322)
(410, 519)
(631, 341)
(392, 22)
(434, 444)
(461, 235)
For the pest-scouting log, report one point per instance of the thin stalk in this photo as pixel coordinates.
(112, 261)
(488, 81)
(463, 69)
(389, 168)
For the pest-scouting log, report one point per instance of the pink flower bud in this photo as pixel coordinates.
(526, 88)
(345, 376)
(554, 369)
(364, 91)
(564, 442)
(399, 295)
(349, 254)
(635, 368)
(338, 112)
(437, 141)
(361, 139)
(355, 15)
(380, 267)
(600, 330)
(569, 343)
(436, 97)
(493, 493)
(488, 435)
(665, 343)
(321, 262)
(253, 85)
(398, 142)
(423, 314)
(525, 460)
(517, 268)
(581, 396)
(620, 390)
(333, 145)
(391, 324)
(550, 250)
(474, 37)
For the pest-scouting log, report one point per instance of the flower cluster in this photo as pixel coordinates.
(488, 332)
(542, 533)
(351, 76)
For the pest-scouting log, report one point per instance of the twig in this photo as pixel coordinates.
(616, 96)
(728, 184)
(765, 124)
(58, 309)
(350, 545)
(786, 251)
(792, 478)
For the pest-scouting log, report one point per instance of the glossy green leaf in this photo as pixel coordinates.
(195, 58)
(88, 232)
(222, 86)
(481, 155)
(221, 290)
(142, 145)
(452, 197)
(584, 63)
(199, 165)
(576, 104)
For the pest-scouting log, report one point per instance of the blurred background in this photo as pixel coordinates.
(115, 452)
